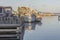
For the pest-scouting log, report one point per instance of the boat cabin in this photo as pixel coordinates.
(5, 11)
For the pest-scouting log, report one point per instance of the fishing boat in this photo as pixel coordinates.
(30, 18)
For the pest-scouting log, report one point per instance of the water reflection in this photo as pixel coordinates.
(32, 26)
(58, 18)
(39, 23)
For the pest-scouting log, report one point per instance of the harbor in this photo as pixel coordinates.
(29, 20)
(13, 26)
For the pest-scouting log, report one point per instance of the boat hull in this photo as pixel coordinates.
(31, 18)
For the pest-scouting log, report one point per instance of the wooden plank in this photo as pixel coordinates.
(9, 25)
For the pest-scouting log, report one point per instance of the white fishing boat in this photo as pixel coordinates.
(30, 18)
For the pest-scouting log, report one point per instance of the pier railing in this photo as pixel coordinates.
(9, 20)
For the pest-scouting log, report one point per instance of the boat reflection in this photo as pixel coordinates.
(58, 18)
(39, 23)
(31, 26)
(27, 26)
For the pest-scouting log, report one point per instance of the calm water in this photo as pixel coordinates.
(47, 29)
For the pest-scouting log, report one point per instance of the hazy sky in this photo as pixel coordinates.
(41, 5)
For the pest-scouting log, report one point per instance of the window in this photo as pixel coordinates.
(7, 10)
(0, 10)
